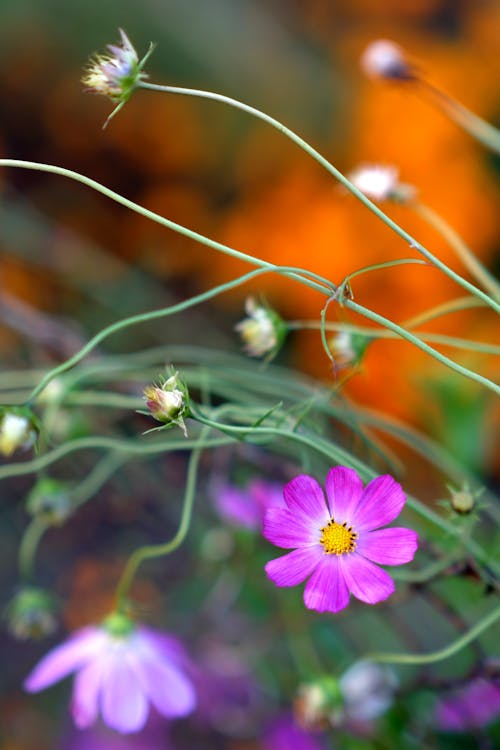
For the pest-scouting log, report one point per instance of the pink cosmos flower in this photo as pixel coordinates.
(246, 507)
(337, 544)
(119, 674)
(474, 706)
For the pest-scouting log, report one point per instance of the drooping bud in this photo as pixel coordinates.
(168, 402)
(385, 59)
(50, 501)
(348, 348)
(18, 429)
(263, 331)
(31, 614)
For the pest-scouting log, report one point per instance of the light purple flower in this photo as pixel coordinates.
(472, 707)
(284, 734)
(247, 507)
(119, 672)
(337, 544)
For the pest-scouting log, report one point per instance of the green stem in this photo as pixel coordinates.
(444, 653)
(425, 574)
(148, 316)
(99, 475)
(332, 170)
(28, 546)
(482, 275)
(151, 551)
(421, 345)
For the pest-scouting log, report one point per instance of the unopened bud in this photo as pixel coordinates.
(381, 183)
(31, 614)
(263, 331)
(348, 348)
(168, 402)
(18, 429)
(463, 501)
(319, 703)
(50, 501)
(385, 59)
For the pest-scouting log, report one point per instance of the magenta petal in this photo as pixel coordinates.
(293, 568)
(382, 501)
(66, 658)
(326, 590)
(303, 495)
(166, 687)
(238, 507)
(86, 691)
(288, 530)
(365, 580)
(344, 488)
(124, 704)
(393, 546)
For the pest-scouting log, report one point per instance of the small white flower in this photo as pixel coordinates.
(16, 431)
(376, 182)
(385, 59)
(262, 331)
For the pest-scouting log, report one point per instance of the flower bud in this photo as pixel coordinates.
(263, 331)
(381, 183)
(385, 59)
(367, 690)
(319, 703)
(18, 429)
(50, 501)
(116, 75)
(348, 348)
(463, 501)
(168, 402)
(31, 614)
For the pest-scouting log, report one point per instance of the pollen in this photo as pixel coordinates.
(338, 538)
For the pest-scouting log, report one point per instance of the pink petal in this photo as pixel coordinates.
(86, 690)
(124, 703)
(365, 580)
(286, 529)
(304, 496)
(326, 590)
(170, 691)
(393, 546)
(382, 501)
(293, 568)
(238, 507)
(344, 489)
(66, 658)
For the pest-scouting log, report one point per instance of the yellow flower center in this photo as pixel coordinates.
(338, 538)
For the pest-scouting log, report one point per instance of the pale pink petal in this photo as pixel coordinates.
(86, 693)
(393, 546)
(365, 580)
(293, 568)
(344, 489)
(382, 501)
(66, 658)
(124, 703)
(286, 529)
(304, 496)
(168, 647)
(326, 590)
(170, 691)
(238, 507)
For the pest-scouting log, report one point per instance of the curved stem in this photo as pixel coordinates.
(150, 551)
(444, 653)
(146, 317)
(421, 345)
(482, 275)
(453, 305)
(332, 170)
(28, 546)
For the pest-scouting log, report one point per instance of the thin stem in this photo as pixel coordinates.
(421, 345)
(150, 551)
(94, 185)
(481, 274)
(99, 475)
(332, 170)
(444, 653)
(147, 317)
(425, 574)
(28, 546)
(454, 305)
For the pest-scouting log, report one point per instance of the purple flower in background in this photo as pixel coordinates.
(472, 707)
(120, 669)
(247, 507)
(99, 737)
(337, 545)
(284, 734)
